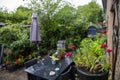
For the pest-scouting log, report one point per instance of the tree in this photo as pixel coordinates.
(46, 10)
(3, 15)
(59, 20)
(89, 12)
(22, 14)
(100, 15)
(65, 15)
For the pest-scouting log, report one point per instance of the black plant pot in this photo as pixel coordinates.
(11, 67)
(19, 65)
(84, 75)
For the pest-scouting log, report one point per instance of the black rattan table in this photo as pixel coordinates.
(41, 70)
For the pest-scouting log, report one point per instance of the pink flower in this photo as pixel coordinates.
(108, 50)
(68, 54)
(104, 32)
(103, 45)
(71, 47)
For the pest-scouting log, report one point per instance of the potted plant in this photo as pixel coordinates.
(11, 67)
(9, 64)
(92, 59)
(13, 64)
(60, 53)
(20, 61)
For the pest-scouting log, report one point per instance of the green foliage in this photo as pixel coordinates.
(91, 56)
(66, 15)
(49, 27)
(58, 20)
(100, 16)
(15, 37)
(3, 14)
(20, 15)
(89, 12)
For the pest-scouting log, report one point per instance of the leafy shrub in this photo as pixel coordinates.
(93, 54)
(15, 38)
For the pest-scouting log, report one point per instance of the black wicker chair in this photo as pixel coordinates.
(30, 63)
(69, 74)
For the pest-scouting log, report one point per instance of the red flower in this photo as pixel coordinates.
(71, 47)
(108, 50)
(103, 45)
(68, 54)
(20, 56)
(17, 61)
(104, 32)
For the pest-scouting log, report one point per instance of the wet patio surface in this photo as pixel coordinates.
(16, 75)
(19, 74)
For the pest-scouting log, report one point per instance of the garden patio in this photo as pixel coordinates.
(53, 40)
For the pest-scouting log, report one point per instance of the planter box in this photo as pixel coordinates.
(84, 75)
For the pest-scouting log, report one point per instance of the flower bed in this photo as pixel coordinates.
(17, 62)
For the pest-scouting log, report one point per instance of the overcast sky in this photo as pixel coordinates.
(13, 4)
